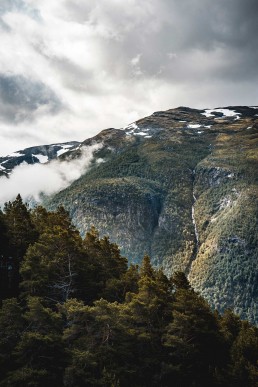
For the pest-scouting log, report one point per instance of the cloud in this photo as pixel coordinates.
(33, 180)
(21, 98)
(71, 68)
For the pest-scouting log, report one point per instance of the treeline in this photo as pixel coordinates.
(73, 313)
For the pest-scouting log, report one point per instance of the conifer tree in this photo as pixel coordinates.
(6, 262)
(38, 357)
(21, 231)
(21, 234)
(148, 312)
(12, 325)
(51, 265)
(104, 268)
(244, 356)
(192, 339)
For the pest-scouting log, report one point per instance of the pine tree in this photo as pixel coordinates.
(6, 262)
(104, 269)
(21, 231)
(38, 357)
(192, 340)
(148, 312)
(12, 325)
(244, 357)
(50, 267)
(21, 234)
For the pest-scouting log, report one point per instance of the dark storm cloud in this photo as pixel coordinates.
(20, 97)
(238, 25)
(167, 30)
(225, 31)
(205, 24)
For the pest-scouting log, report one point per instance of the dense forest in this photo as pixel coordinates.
(74, 313)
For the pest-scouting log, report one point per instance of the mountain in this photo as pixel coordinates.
(182, 186)
(36, 154)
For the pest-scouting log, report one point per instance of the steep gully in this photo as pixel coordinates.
(196, 235)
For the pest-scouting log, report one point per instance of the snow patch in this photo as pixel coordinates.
(64, 145)
(61, 151)
(194, 126)
(226, 113)
(16, 154)
(64, 149)
(208, 113)
(41, 158)
(140, 134)
(131, 126)
(135, 130)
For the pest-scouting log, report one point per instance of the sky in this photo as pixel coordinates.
(70, 68)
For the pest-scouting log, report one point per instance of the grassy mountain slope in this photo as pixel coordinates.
(145, 180)
(226, 187)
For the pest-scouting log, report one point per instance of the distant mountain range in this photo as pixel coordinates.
(180, 185)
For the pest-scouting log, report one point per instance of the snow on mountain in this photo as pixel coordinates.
(64, 149)
(42, 158)
(16, 154)
(194, 126)
(225, 112)
(39, 154)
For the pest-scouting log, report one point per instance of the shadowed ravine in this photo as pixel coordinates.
(196, 235)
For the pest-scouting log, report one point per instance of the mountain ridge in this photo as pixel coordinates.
(33, 155)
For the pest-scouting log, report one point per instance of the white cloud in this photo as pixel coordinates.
(136, 60)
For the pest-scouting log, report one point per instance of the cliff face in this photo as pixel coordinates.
(180, 185)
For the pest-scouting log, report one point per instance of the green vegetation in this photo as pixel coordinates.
(226, 187)
(142, 197)
(78, 315)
